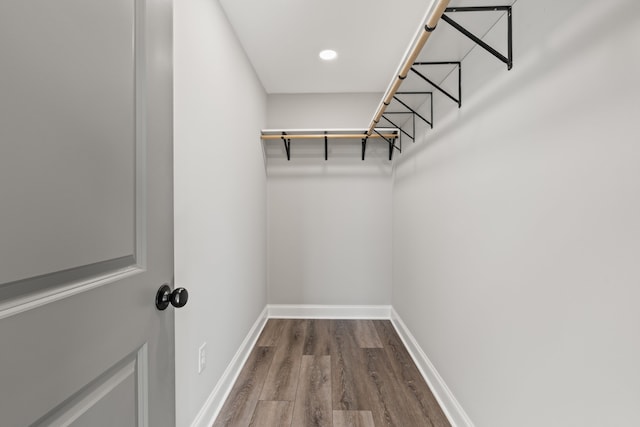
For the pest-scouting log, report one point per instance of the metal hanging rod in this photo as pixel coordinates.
(430, 25)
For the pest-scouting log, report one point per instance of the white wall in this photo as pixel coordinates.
(330, 238)
(329, 223)
(220, 198)
(319, 111)
(517, 224)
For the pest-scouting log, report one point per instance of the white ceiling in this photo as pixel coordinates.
(283, 38)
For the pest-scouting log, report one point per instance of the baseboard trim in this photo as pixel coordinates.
(309, 311)
(452, 409)
(212, 406)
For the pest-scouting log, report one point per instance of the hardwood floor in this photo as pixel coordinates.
(333, 373)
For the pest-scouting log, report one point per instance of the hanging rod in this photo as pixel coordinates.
(331, 136)
(350, 133)
(430, 24)
(388, 134)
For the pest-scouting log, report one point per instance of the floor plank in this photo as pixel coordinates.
(270, 413)
(318, 338)
(366, 334)
(313, 398)
(349, 391)
(239, 406)
(271, 333)
(407, 374)
(282, 378)
(388, 408)
(353, 419)
(392, 404)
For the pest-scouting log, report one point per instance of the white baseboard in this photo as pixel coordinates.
(309, 311)
(452, 409)
(214, 402)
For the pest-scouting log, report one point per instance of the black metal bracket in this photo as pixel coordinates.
(364, 144)
(411, 111)
(326, 146)
(509, 58)
(402, 131)
(415, 113)
(364, 147)
(287, 145)
(457, 100)
(392, 144)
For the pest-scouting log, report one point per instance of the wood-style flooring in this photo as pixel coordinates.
(313, 373)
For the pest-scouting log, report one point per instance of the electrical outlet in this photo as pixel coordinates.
(202, 357)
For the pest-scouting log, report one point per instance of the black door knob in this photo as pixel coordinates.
(178, 298)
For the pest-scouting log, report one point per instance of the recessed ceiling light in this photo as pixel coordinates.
(328, 54)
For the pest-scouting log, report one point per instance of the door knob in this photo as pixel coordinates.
(177, 298)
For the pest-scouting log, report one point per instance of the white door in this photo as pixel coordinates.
(85, 213)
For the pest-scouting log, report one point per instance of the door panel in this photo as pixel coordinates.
(68, 77)
(86, 218)
(112, 400)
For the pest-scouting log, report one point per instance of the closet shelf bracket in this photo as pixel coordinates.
(364, 144)
(506, 59)
(326, 146)
(439, 88)
(415, 113)
(391, 141)
(402, 131)
(364, 147)
(287, 145)
(408, 110)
